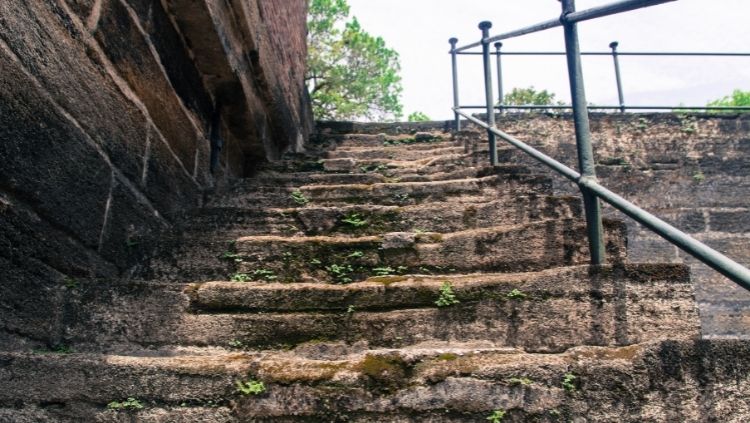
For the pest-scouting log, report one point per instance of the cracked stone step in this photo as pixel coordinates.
(482, 189)
(232, 223)
(622, 384)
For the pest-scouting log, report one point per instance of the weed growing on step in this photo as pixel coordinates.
(299, 198)
(354, 220)
(401, 198)
(355, 255)
(128, 404)
(569, 382)
(447, 296)
(240, 277)
(351, 309)
(340, 273)
(251, 387)
(516, 294)
(379, 168)
(264, 274)
(230, 256)
(389, 271)
(699, 177)
(315, 262)
(236, 343)
(57, 349)
(520, 381)
(496, 416)
(70, 283)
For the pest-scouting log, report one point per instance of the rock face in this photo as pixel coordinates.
(417, 284)
(107, 112)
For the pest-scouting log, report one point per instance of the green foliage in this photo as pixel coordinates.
(251, 387)
(259, 274)
(354, 220)
(230, 256)
(530, 97)
(569, 382)
(388, 270)
(738, 98)
(128, 404)
(356, 254)
(341, 273)
(236, 343)
(351, 74)
(379, 168)
(299, 198)
(351, 309)
(240, 277)
(447, 296)
(699, 177)
(418, 117)
(496, 416)
(516, 294)
(520, 381)
(70, 283)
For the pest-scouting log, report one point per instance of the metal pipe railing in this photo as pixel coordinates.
(586, 180)
(596, 12)
(714, 259)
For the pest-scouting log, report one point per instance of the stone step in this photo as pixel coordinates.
(424, 140)
(527, 247)
(383, 153)
(428, 384)
(482, 189)
(232, 223)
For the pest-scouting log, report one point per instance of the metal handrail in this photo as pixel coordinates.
(586, 180)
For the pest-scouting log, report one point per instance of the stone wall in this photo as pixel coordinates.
(691, 170)
(107, 108)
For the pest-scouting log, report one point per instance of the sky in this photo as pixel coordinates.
(419, 30)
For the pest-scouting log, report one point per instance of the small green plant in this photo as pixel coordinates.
(355, 220)
(240, 277)
(131, 243)
(568, 382)
(341, 273)
(236, 343)
(516, 294)
(447, 296)
(520, 381)
(251, 387)
(128, 404)
(401, 198)
(418, 117)
(355, 255)
(379, 168)
(699, 177)
(383, 271)
(496, 416)
(642, 124)
(70, 283)
(351, 309)
(315, 262)
(264, 274)
(230, 256)
(299, 198)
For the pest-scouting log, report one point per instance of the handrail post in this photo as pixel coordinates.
(500, 99)
(485, 27)
(453, 42)
(586, 163)
(613, 45)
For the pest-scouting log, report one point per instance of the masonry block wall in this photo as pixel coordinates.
(106, 112)
(691, 170)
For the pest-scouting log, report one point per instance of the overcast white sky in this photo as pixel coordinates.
(419, 30)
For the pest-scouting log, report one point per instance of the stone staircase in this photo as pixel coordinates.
(383, 278)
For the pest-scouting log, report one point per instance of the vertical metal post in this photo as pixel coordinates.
(453, 42)
(488, 96)
(500, 99)
(586, 162)
(613, 45)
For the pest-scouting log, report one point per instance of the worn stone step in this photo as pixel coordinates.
(636, 383)
(482, 189)
(422, 140)
(231, 223)
(342, 259)
(401, 154)
(532, 246)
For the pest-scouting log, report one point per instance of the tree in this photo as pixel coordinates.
(418, 117)
(351, 74)
(530, 97)
(738, 98)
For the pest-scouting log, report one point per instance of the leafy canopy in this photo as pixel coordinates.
(351, 74)
(738, 98)
(418, 117)
(530, 97)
